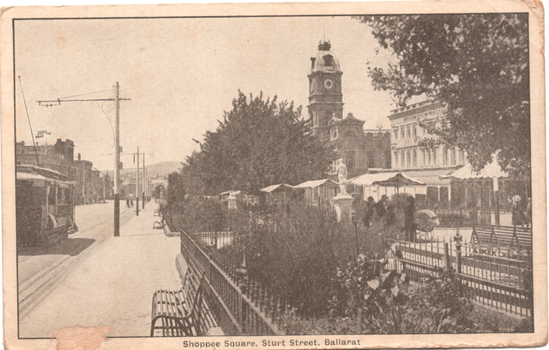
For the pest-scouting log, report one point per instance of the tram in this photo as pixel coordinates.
(44, 206)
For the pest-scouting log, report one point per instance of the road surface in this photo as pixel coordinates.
(109, 281)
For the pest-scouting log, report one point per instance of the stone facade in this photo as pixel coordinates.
(58, 157)
(360, 149)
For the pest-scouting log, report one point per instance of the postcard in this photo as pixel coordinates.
(274, 175)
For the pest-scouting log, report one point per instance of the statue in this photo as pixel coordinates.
(342, 176)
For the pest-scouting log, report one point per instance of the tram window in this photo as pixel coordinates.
(51, 197)
(39, 195)
(61, 195)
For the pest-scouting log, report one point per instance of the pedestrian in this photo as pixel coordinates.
(409, 219)
(368, 211)
(390, 219)
(131, 202)
(381, 210)
(516, 211)
(528, 212)
(127, 202)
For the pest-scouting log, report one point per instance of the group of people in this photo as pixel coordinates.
(381, 209)
(129, 202)
(386, 213)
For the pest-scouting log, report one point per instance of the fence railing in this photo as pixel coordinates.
(242, 306)
(499, 282)
(463, 217)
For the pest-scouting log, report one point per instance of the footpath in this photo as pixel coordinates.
(112, 285)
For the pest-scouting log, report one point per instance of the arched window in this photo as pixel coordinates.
(408, 161)
(402, 160)
(424, 158)
(461, 157)
(445, 156)
(435, 150)
(429, 156)
(414, 159)
(453, 156)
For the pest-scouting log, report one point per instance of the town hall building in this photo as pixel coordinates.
(361, 149)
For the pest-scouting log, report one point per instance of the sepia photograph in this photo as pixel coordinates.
(274, 176)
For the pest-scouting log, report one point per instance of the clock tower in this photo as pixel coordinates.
(325, 97)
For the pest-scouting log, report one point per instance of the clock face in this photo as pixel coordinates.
(328, 84)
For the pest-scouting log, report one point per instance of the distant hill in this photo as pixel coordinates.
(162, 169)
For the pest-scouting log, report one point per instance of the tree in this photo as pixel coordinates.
(258, 143)
(477, 64)
(176, 189)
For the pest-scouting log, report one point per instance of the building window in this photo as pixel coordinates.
(414, 159)
(414, 131)
(461, 157)
(444, 156)
(395, 133)
(435, 150)
(408, 161)
(424, 158)
(396, 159)
(402, 133)
(402, 160)
(453, 156)
(328, 60)
(429, 156)
(408, 132)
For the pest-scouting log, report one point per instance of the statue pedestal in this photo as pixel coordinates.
(342, 204)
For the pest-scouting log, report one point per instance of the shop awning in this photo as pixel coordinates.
(398, 180)
(386, 179)
(490, 171)
(277, 188)
(318, 183)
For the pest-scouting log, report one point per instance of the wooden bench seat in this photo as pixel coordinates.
(179, 311)
(491, 239)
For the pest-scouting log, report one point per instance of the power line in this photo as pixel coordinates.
(28, 118)
(57, 117)
(89, 93)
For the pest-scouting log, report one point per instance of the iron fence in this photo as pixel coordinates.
(242, 306)
(499, 282)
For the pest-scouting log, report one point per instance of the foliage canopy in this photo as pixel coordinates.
(475, 64)
(258, 143)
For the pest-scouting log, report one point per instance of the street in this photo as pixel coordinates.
(69, 284)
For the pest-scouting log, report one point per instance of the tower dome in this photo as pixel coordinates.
(325, 61)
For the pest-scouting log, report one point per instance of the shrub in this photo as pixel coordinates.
(391, 306)
(295, 253)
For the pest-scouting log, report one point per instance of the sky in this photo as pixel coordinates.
(181, 74)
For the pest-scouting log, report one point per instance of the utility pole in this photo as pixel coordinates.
(117, 161)
(117, 99)
(144, 180)
(137, 186)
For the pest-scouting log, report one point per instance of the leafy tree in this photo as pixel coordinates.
(477, 65)
(258, 143)
(176, 189)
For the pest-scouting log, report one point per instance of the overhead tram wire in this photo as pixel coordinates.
(28, 118)
(89, 93)
(59, 119)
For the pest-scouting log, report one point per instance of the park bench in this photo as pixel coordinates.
(182, 312)
(492, 239)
